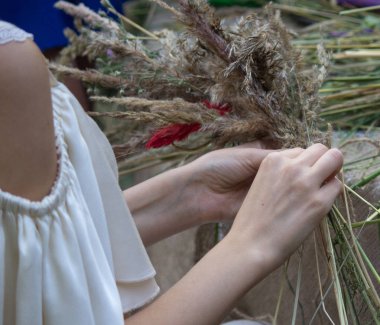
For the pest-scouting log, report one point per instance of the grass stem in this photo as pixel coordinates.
(298, 287)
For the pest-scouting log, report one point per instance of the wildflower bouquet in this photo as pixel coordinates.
(223, 85)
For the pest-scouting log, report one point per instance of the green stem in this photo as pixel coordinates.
(328, 112)
(368, 262)
(359, 10)
(354, 78)
(365, 223)
(334, 274)
(366, 180)
(374, 313)
(357, 258)
(360, 160)
(362, 199)
(299, 277)
(280, 295)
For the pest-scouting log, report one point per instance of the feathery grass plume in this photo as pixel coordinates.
(160, 118)
(177, 110)
(77, 46)
(90, 76)
(201, 21)
(89, 17)
(117, 48)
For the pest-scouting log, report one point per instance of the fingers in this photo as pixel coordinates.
(312, 154)
(328, 165)
(329, 191)
(292, 153)
(323, 162)
(259, 155)
(274, 156)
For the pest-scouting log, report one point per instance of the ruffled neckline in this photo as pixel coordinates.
(57, 193)
(11, 33)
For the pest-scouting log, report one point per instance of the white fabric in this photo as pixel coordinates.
(9, 33)
(75, 257)
(111, 216)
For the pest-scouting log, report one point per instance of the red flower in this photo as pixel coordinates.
(175, 132)
(222, 108)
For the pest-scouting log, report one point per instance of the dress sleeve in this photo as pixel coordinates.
(133, 271)
(11, 33)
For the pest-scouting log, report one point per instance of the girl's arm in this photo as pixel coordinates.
(28, 159)
(163, 205)
(210, 189)
(291, 193)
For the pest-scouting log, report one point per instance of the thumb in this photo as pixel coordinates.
(251, 156)
(256, 156)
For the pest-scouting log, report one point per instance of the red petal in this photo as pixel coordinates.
(167, 135)
(222, 108)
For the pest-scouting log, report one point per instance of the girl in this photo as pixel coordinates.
(70, 252)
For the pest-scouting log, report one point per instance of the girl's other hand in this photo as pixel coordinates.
(292, 191)
(220, 180)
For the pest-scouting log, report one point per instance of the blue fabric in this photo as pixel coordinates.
(40, 18)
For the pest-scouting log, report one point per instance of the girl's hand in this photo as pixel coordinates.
(292, 192)
(211, 188)
(221, 179)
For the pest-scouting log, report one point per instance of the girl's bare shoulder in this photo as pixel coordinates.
(27, 145)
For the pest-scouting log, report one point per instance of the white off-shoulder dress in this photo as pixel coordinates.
(75, 257)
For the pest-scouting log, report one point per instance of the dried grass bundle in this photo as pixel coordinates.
(250, 68)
